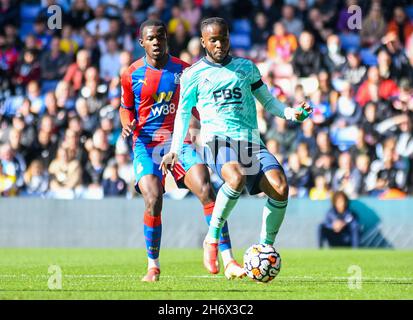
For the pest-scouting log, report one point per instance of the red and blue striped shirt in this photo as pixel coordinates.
(153, 95)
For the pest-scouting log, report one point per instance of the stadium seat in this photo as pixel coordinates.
(350, 41)
(368, 57)
(240, 41)
(240, 38)
(409, 12)
(28, 14)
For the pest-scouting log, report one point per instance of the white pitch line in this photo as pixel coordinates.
(117, 276)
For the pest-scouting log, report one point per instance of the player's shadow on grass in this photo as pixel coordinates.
(371, 236)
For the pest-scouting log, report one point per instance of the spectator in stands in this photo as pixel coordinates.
(176, 20)
(369, 122)
(65, 174)
(362, 170)
(334, 59)
(361, 147)
(373, 27)
(44, 148)
(7, 183)
(93, 93)
(307, 135)
(273, 147)
(307, 59)
(400, 24)
(317, 27)
(41, 34)
(292, 24)
(93, 170)
(53, 65)
(90, 45)
(321, 190)
(281, 45)
(89, 120)
(328, 93)
(9, 13)
(36, 98)
(28, 69)
(36, 180)
(99, 26)
(353, 71)
(399, 60)
(298, 177)
(346, 178)
(191, 13)
(138, 9)
(80, 14)
(389, 171)
(58, 114)
(110, 61)
(12, 166)
(375, 88)
(68, 43)
(322, 113)
(303, 153)
(340, 227)
(216, 8)
(404, 102)
(114, 186)
(284, 135)
(179, 39)
(260, 30)
(348, 112)
(162, 8)
(76, 71)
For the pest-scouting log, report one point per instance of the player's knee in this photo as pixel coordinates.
(153, 203)
(282, 190)
(237, 181)
(279, 189)
(207, 194)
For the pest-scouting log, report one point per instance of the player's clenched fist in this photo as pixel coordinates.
(300, 113)
(128, 129)
(168, 162)
(303, 111)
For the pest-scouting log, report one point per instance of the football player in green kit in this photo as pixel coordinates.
(223, 88)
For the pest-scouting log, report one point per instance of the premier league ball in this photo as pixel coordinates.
(262, 262)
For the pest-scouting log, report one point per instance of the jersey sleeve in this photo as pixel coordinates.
(255, 78)
(127, 96)
(187, 100)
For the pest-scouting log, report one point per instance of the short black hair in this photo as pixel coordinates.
(151, 23)
(214, 20)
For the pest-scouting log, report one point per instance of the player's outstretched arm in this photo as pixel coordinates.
(187, 100)
(277, 108)
(127, 107)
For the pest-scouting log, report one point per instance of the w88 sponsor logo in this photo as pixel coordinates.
(163, 109)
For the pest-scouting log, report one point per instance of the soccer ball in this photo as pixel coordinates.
(262, 262)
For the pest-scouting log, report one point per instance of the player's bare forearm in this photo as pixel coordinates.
(128, 121)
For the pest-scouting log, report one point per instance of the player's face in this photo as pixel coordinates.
(215, 40)
(154, 42)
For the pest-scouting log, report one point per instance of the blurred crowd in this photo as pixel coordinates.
(60, 92)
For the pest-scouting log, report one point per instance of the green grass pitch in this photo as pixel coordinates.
(116, 273)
